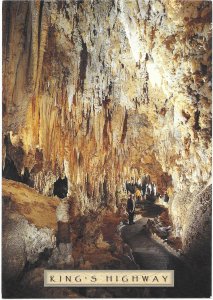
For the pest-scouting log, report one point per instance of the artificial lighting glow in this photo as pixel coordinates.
(154, 75)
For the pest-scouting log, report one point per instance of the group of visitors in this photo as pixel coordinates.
(143, 189)
(139, 191)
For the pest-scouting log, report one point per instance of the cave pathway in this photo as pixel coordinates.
(149, 255)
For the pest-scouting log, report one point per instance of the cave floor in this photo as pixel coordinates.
(150, 255)
(96, 239)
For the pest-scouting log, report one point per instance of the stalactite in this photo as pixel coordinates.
(35, 7)
(42, 36)
(124, 128)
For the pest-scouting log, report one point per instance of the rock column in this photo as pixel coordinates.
(62, 255)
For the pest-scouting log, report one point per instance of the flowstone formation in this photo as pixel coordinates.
(98, 91)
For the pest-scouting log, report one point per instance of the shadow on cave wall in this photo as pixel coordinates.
(10, 172)
(13, 163)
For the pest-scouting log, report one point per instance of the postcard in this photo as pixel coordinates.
(106, 149)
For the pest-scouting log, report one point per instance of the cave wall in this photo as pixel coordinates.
(29, 227)
(99, 91)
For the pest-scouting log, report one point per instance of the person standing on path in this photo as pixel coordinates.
(130, 209)
(138, 195)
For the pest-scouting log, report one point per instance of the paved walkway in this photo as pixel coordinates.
(150, 255)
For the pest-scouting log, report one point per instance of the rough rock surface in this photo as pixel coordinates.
(23, 243)
(29, 226)
(34, 207)
(62, 211)
(99, 91)
(197, 234)
(61, 256)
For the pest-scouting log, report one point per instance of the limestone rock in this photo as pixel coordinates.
(23, 243)
(62, 211)
(61, 256)
(28, 231)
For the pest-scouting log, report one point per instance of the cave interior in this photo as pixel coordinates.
(97, 94)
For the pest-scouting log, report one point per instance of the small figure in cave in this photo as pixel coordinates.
(152, 190)
(132, 187)
(143, 188)
(138, 196)
(166, 197)
(148, 190)
(131, 209)
(155, 189)
(127, 187)
(138, 184)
